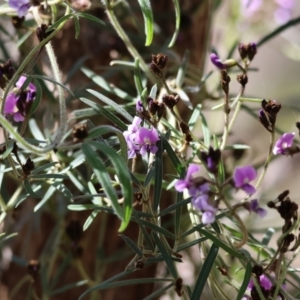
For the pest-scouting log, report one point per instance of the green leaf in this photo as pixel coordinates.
(9, 148)
(267, 236)
(219, 243)
(158, 177)
(206, 131)
(172, 155)
(90, 17)
(90, 219)
(100, 81)
(137, 77)
(29, 189)
(44, 167)
(108, 129)
(278, 30)
(77, 27)
(148, 20)
(159, 292)
(4, 237)
(181, 73)
(107, 114)
(50, 175)
(158, 229)
(204, 272)
(81, 207)
(144, 231)
(179, 203)
(245, 283)
(53, 81)
(177, 24)
(132, 245)
(58, 22)
(68, 287)
(124, 179)
(45, 199)
(153, 92)
(100, 171)
(119, 109)
(149, 176)
(166, 255)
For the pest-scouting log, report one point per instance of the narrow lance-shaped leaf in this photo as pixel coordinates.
(205, 270)
(100, 171)
(124, 179)
(177, 24)
(148, 20)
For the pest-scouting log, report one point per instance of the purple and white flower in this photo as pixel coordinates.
(242, 176)
(254, 206)
(21, 6)
(140, 140)
(18, 103)
(198, 189)
(283, 143)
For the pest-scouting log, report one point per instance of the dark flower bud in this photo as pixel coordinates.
(184, 128)
(17, 22)
(160, 60)
(80, 132)
(257, 270)
(283, 195)
(138, 197)
(33, 268)
(35, 2)
(243, 50)
(139, 264)
(156, 108)
(252, 50)
(264, 120)
(41, 32)
(271, 204)
(225, 79)
(188, 138)
(156, 70)
(298, 126)
(170, 100)
(28, 166)
(178, 286)
(211, 159)
(242, 79)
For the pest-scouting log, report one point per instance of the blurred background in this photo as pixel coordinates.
(205, 26)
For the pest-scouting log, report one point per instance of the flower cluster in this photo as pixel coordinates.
(198, 189)
(18, 103)
(140, 140)
(21, 6)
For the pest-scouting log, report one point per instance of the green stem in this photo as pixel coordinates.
(263, 173)
(37, 150)
(121, 33)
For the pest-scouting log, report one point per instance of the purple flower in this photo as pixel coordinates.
(209, 211)
(284, 142)
(21, 6)
(140, 140)
(147, 139)
(18, 104)
(139, 106)
(255, 208)
(264, 282)
(214, 58)
(242, 176)
(187, 182)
